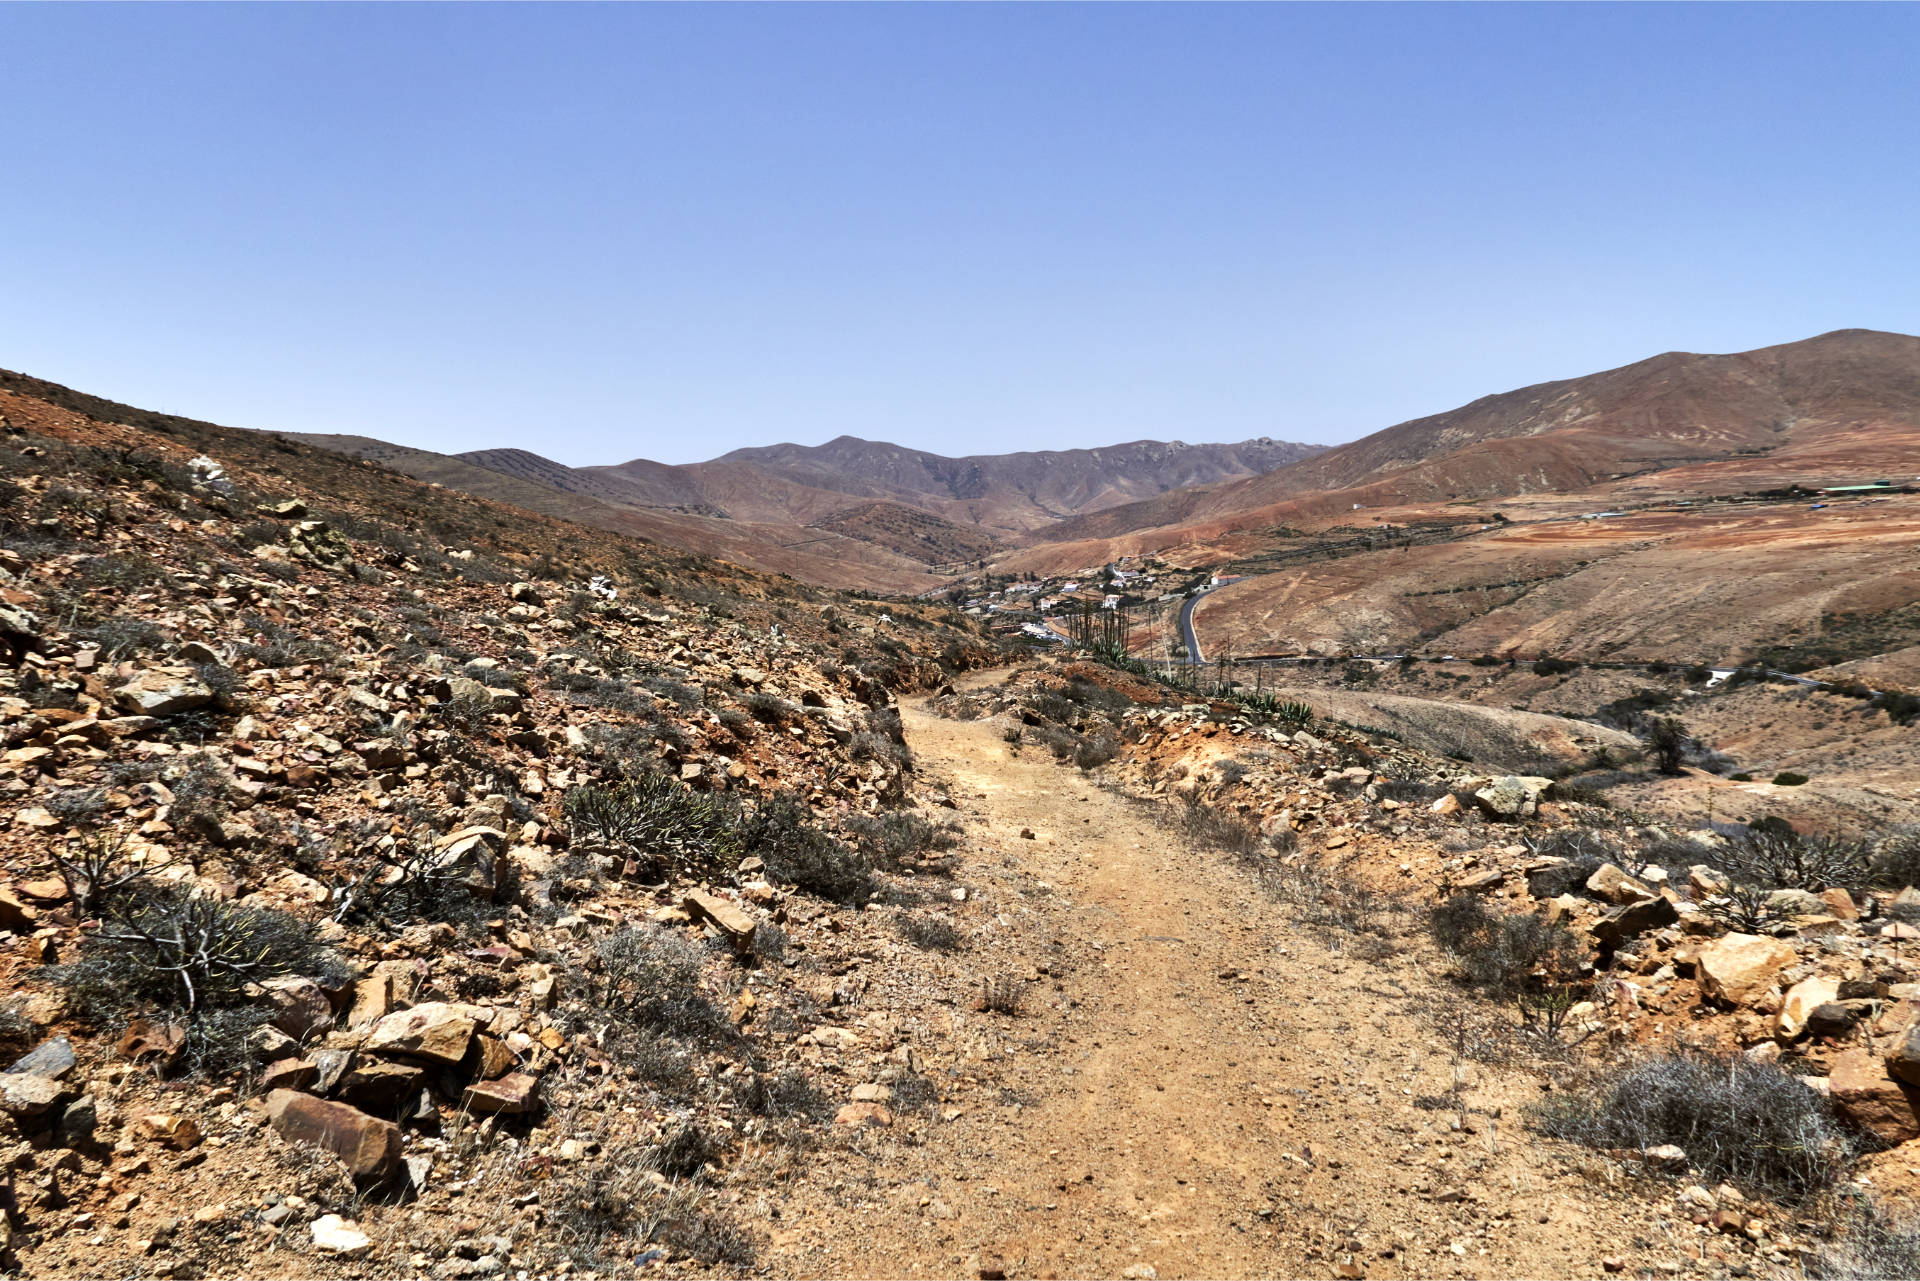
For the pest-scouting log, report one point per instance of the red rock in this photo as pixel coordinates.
(369, 1146)
(300, 1007)
(513, 1093)
(496, 1058)
(731, 920)
(305, 776)
(49, 889)
(1860, 1087)
(859, 1115)
(15, 915)
(144, 1039)
(289, 1074)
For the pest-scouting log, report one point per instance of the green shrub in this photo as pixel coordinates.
(1293, 714)
(658, 822)
(1902, 707)
(165, 948)
(162, 949)
(1787, 778)
(1668, 740)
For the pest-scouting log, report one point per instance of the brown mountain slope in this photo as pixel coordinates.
(1842, 406)
(646, 485)
(1726, 583)
(1018, 492)
(850, 513)
(788, 547)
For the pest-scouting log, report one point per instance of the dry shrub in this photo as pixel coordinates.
(1773, 855)
(796, 852)
(653, 981)
(900, 836)
(1205, 827)
(930, 933)
(1750, 1123)
(603, 1210)
(1874, 1243)
(1000, 995)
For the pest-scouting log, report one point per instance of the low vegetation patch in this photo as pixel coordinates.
(160, 950)
(1750, 1123)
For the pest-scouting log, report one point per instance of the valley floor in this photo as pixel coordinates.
(1195, 1087)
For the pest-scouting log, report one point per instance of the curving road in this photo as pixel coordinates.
(1189, 637)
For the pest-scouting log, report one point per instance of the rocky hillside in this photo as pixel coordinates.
(374, 845)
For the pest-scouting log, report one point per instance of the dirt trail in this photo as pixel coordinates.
(1192, 1086)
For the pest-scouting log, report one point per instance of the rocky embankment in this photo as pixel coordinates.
(373, 903)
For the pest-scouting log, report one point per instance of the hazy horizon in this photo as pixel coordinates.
(606, 233)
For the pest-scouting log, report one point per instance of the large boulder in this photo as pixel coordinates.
(1860, 1087)
(437, 1030)
(1611, 884)
(1515, 796)
(163, 691)
(1636, 917)
(1802, 999)
(1738, 967)
(369, 1146)
(299, 1006)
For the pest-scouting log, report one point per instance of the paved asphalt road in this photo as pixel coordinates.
(1187, 635)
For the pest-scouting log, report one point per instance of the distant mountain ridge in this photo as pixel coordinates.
(1809, 411)
(1842, 406)
(851, 512)
(1017, 492)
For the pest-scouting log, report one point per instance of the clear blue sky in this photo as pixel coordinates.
(603, 232)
